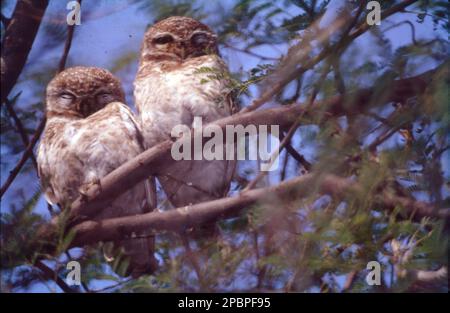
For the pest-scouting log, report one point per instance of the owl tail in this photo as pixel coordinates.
(139, 251)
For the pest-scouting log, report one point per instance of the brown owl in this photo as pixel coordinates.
(89, 133)
(181, 76)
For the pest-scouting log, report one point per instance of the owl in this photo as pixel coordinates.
(89, 133)
(181, 76)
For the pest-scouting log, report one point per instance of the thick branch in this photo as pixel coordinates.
(19, 37)
(421, 276)
(190, 216)
(185, 217)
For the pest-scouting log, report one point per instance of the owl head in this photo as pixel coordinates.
(178, 38)
(81, 91)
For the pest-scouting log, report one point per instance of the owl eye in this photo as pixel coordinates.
(67, 96)
(105, 98)
(162, 40)
(199, 38)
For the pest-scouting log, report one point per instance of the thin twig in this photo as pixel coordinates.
(284, 168)
(298, 157)
(85, 286)
(350, 280)
(364, 26)
(194, 261)
(25, 155)
(383, 137)
(67, 45)
(286, 140)
(413, 29)
(49, 273)
(249, 52)
(112, 286)
(261, 269)
(426, 14)
(274, 155)
(20, 129)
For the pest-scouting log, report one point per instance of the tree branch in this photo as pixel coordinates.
(5, 21)
(67, 45)
(411, 25)
(363, 27)
(25, 155)
(422, 276)
(179, 219)
(298, 157)
(50, 274)
(18, 40)
(349, 281)
(20, 129)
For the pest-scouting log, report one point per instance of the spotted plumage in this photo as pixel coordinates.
(89, 133)
(173, 85)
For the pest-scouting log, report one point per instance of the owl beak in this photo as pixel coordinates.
(83, 107)
(79, 108)
(183, 52)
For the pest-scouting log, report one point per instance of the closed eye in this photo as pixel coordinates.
(162, 40)
(104, 98)
(199, 38)
(67, 96)
(104, 95)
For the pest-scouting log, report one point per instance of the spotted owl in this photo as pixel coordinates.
(89, 133)
(181, 76)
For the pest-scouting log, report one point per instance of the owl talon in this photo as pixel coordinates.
(98, 183)
(83, 195)
(83, 190)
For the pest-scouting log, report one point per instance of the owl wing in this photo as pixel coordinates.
(59, 170)
(44, 174)
(186, 182)
(133, 129)
(129, 119)
(118, 139)
(138, 199)
(72, 154)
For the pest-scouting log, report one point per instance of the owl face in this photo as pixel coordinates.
(178, 38)
(81, 91)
